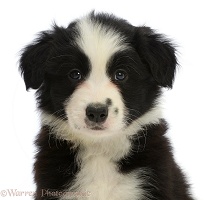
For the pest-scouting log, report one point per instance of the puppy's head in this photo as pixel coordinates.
(100, 74)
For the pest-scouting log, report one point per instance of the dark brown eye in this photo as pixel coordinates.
(75, 74)
(120, 75)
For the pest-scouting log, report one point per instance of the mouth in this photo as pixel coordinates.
(96, 128)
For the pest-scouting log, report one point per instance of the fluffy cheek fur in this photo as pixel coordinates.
(88, 93)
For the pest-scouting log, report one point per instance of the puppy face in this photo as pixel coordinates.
(97, 105)
(100, 74)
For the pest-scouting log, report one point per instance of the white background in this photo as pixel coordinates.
(183, 21)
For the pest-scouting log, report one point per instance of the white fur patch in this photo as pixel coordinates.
(106, 143)
(100, 178)
(99, 44)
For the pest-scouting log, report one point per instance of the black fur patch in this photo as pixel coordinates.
(139, 90)
(152, 152)
(55, 165)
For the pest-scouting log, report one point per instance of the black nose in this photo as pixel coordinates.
(97, 112)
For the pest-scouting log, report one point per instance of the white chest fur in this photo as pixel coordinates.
(100, 179)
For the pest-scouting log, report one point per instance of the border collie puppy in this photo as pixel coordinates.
(102, 136)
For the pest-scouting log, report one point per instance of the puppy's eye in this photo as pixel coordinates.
(120, 75)
(75, 74)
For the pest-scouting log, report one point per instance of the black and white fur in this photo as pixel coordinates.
(99, 83)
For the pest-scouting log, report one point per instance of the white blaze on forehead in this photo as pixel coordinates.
(99, 43)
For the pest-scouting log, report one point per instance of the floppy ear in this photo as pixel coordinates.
(157, 53)
(33, 60)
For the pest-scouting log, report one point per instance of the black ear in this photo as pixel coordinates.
(33, 60)
(157, 53)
